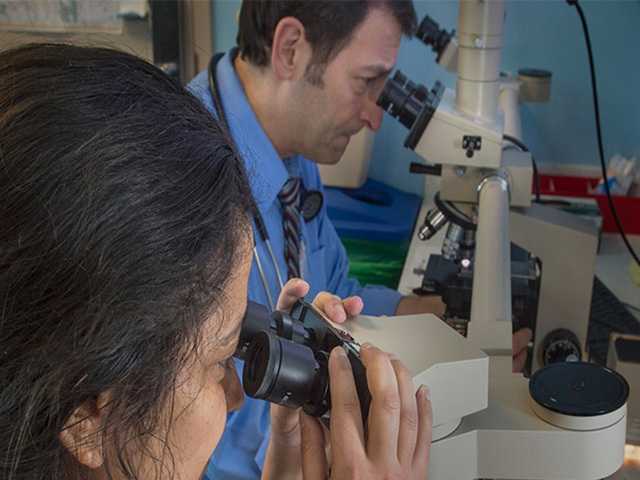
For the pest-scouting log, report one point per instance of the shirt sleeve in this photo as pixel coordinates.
(378, 300)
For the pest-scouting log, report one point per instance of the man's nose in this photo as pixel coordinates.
(372, 115)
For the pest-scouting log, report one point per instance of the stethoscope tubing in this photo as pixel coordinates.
(257, 217)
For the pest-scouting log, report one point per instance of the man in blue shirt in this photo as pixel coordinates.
(305, 77)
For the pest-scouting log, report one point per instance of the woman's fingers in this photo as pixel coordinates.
(353, 306)
(384, 411)
(347, 433)
(409, 421)
(331, 306)
(285, 429)
(336, 309)
(314, 461)
(292, 291)
(399, 423)
(423, 440)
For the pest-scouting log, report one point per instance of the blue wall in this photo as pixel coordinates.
(225, 24)
(538, 33)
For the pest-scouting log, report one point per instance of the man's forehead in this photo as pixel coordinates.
(375, 43)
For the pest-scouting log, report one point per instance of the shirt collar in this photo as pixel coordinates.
(266, 170)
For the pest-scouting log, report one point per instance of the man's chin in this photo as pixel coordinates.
(329, 156)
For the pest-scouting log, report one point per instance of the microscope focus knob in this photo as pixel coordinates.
(561, 345)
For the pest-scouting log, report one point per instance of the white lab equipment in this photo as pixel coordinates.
(517, 431)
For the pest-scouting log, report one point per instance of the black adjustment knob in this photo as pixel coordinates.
(561, 345)
(422, 93)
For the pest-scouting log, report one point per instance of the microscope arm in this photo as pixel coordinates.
(490, 325)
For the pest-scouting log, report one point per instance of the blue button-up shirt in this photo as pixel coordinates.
(324, 264)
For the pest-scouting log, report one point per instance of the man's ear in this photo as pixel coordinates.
(82, 433)
(290, 50)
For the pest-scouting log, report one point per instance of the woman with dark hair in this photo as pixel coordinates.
(125, 243)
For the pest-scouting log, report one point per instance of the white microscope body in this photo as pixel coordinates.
(486, 424)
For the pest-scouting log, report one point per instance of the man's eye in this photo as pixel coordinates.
(364, 83)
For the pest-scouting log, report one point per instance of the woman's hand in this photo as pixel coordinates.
(399, 424)
(336, 309)
(283, 458)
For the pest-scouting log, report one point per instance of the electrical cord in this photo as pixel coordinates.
(631, 307)
(599, 130)
(536, 174)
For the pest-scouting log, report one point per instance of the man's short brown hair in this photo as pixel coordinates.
(328, 25)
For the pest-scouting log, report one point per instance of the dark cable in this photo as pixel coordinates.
(631, 307)
(536, 174)
(599, 131)
(262, 229)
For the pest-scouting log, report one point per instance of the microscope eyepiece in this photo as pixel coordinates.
(403, 99)
(286, 357)
(287, 373)
(412, 105)
(256, 319)
(432, 35)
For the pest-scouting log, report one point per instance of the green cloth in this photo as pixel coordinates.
(376, 262)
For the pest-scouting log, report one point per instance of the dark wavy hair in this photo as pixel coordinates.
(122, 206)
(329, 25)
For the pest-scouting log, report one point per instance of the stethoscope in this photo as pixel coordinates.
(257, 217)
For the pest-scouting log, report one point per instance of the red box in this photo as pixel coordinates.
(628, 208)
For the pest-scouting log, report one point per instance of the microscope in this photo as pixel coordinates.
(505, 263)
(534, 264)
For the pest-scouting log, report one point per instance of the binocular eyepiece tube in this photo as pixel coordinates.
(287, 373)
(287, 358)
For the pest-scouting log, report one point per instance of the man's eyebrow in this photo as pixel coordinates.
(377, 69)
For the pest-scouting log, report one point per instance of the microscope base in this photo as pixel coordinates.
(508, 440)
(499, 436)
